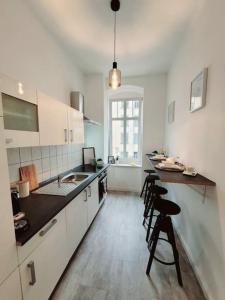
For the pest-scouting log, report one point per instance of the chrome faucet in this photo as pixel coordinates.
(59, 181)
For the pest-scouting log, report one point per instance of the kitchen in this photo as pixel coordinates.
(88, 242)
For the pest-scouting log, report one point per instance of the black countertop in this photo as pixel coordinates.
(40, 209)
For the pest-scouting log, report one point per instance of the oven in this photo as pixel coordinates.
(102, 186)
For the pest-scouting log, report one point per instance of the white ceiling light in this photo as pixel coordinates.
(114, 73)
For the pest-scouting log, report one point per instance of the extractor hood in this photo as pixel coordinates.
(77, 102)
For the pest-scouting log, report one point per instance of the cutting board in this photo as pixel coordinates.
(29, 173)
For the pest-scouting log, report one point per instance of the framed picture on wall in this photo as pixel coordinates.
(198, 91)
(111, 159)
(171, 112)
(88, 155)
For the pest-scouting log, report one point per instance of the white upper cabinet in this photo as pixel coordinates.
(53, 121)
(18, 89)
(8, 255)
(18, 106)
(76, 126)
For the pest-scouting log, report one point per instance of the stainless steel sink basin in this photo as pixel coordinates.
(74, 178)
(65, 186)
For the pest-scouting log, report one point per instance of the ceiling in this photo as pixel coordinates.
(148, 32)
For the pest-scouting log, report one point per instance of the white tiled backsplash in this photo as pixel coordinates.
(49, 160)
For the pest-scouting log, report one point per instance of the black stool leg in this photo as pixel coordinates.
(148, 205)
(171, 238)
(155, 236)
(143, 187)
(148, 201)
(149, 224)
(146, 192)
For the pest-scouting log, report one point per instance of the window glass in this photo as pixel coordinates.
(117, 138)
(117, 109)
(125, 131)
(132, 108)
(132, 142)
(19, 114)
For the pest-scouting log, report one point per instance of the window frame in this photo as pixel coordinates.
(125, 119)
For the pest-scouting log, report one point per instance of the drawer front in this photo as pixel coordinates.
(25, 250)
(43, 268)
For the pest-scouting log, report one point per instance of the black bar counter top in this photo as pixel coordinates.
(39, 209)
(179, 177)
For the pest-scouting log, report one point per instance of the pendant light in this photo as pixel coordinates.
(114, 73)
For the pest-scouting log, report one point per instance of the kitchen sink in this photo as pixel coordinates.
(74, 178)
(64, 186)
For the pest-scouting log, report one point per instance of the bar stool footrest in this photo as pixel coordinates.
(164, 262)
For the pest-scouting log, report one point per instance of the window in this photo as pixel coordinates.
(125, 129)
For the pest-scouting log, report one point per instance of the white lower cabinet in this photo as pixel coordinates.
(93, 200)
(77, 221)
(43, 267)
(80, 213)
(10, 289)
(44, 258)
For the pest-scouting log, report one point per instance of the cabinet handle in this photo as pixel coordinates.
(71, 135)
(86, 196)
(89, 191)
(32, 273)
(65, 135)
(47, 228)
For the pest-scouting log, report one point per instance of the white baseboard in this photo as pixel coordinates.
(194, 267)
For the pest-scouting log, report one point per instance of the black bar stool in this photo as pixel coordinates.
(155, 193)
(145, 183)
(163, 223)
(150, 182)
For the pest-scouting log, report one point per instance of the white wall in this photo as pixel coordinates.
(30, 54)
(94, 137)
(198, 138)
(125, 178)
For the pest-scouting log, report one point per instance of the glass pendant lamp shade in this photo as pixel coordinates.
(114, 77)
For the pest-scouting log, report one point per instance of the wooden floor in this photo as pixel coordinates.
(111, 261)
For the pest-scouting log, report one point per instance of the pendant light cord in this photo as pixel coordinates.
(115, 36)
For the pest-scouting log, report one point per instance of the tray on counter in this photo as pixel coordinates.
(180, 169)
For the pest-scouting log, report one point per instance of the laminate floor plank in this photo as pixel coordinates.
(110, 263)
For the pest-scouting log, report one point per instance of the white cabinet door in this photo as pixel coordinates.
(93, 200)
(76, 221)
(18, 89)
(20, 113)
(53, 121)
(76, 126)
(10, 289)
(43, 268)
(8, 255)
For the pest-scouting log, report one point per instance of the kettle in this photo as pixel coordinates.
(100, 163)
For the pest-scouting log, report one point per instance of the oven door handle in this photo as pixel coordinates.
(102, 178)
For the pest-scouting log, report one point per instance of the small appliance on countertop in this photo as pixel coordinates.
(100, 163)
(21, 223)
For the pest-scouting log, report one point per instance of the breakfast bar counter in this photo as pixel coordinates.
(179, 177)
